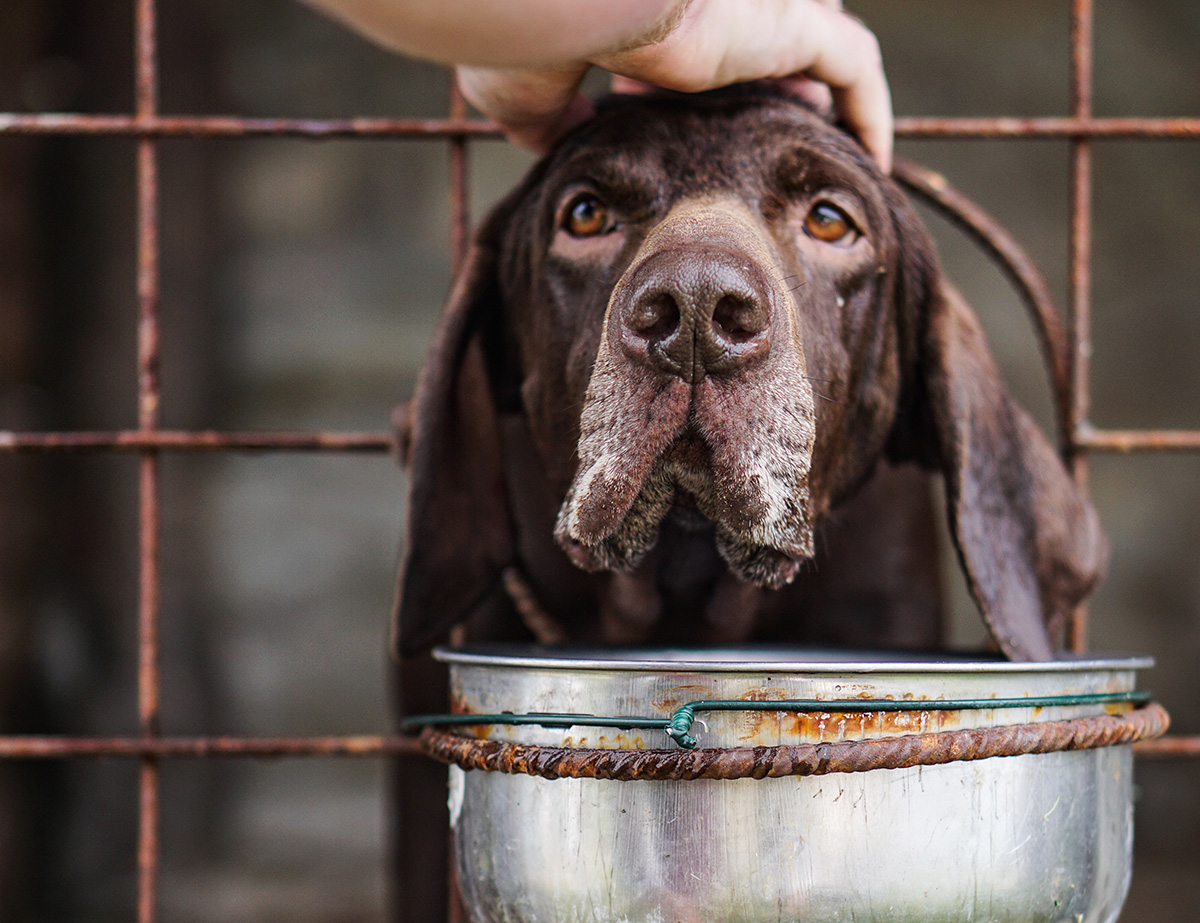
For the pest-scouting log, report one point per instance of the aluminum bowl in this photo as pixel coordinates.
(1038, 837)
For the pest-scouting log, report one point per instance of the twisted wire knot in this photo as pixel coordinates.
(680, 727)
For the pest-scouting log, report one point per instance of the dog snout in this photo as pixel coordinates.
(697, 311)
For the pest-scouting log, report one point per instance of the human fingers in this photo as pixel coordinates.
(534, 107)
(622, 84)
(719, 42)
(851, 65)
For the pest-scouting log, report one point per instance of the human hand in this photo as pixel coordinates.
(706, 44)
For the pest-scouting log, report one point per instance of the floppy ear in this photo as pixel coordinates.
(1026, 534)
(458, 535)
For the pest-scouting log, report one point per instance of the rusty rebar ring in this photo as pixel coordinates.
(899, 752)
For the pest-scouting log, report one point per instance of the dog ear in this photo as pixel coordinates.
(1028, 538)
(458, 536)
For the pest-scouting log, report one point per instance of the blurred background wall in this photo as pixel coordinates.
(300, 284)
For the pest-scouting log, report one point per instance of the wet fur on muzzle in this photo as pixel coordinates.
(733, 445)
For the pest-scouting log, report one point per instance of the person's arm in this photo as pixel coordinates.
(505, 33)
(521, 61)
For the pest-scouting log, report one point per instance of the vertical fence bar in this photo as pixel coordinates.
(1079, 308)
(459, 237)
(149, 416)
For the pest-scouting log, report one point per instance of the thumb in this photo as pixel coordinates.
(534, 107)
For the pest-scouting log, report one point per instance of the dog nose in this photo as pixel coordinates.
(697, 312)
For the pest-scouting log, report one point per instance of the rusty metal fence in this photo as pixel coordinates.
(149, 441)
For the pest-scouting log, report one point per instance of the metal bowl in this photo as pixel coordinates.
(1038, 837)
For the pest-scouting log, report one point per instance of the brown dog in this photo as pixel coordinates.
(678, 355)
(684, 391)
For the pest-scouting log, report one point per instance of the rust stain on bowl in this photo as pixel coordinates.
(680, 695)
(618, 741)
(764, 728)
(459, 706)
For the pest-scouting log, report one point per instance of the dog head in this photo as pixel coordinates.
(718, 308)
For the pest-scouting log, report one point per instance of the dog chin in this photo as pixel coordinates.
(769, 568)
(689, 493)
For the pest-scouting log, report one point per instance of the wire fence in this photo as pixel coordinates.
(149, 441)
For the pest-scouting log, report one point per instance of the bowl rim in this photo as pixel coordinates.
(769, 659)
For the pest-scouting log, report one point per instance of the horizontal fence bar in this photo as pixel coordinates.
(1136, 440)
(23, 747)
(1170, 747)
(1049, 127)
(220, 126)
(223, 126)
(210, 441)
(193, 441)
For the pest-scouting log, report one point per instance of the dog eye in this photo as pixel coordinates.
(828, 223)
(586, 216)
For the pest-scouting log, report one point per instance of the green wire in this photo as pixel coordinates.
(678, 727)
(544, 719)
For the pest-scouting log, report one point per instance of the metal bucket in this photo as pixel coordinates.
(1037, 837)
